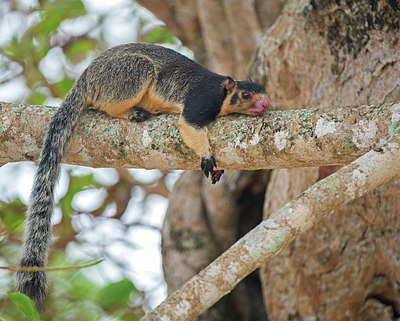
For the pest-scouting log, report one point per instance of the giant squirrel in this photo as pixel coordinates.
(134, 82)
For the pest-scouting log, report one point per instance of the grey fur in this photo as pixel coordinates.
(40, 208)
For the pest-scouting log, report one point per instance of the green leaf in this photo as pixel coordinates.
(79, 47)
(55, 12)
(12, 49)
(63, 86)
(19, 49)
(116, 294)
(37, 97)
(24, 304)
(159, 35)
(51, 22)
(12, 210)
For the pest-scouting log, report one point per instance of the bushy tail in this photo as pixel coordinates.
(40, 208)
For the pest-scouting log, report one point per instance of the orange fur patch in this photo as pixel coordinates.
(196, 139)
(147, 100)
(241, 106)
(155, 104)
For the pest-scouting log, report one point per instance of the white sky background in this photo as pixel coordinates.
(16, 179)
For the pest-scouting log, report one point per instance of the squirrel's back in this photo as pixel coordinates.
(175, 75)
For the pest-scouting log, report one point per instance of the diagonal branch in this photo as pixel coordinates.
(279, 139)
(272, 235)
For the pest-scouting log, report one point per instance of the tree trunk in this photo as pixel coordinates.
(202, 221)
(223, 34)
(317, 53)
(348, 268)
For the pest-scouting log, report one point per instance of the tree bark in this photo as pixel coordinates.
(275, 233)
(224, 42)
(223, 35)
(201, 222)
(279, 139)
(334, 53)
(326, 54)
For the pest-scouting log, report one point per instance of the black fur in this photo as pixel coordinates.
(248, 85)
(139, 115)
(207, 165)
(234, 99)
(204, 100)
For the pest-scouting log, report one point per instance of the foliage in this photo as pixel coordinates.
(54, 42)
(64, 33)
(75, 292)
(24, 305)
(86, 293)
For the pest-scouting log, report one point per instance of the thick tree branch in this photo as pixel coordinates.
(279, 139)
(272, 235)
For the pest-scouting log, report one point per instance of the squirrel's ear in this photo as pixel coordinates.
(230, 84)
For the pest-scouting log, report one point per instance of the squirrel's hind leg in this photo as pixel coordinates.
(137, 114)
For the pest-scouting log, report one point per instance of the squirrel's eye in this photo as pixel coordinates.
(246, 95)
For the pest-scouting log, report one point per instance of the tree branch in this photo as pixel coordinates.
(272, 235)
(279, 139)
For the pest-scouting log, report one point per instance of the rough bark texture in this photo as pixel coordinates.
(279, 139)
(272, 235)
(202, 221)
(188, 239)
(318, 53)
(223, 34)
(321, 53)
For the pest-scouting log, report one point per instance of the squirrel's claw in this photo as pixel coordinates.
(216, 175)
(208, 165)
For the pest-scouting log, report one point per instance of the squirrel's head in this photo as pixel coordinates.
(244, 97)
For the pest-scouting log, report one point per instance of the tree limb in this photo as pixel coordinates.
(279, 139)
(272, 235)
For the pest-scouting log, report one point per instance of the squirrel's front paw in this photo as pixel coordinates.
(207, 166)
